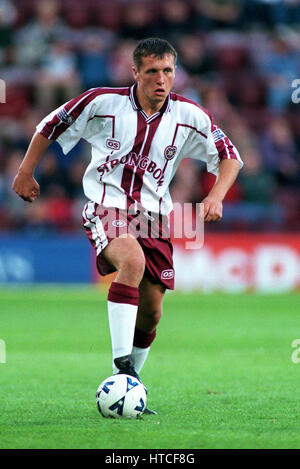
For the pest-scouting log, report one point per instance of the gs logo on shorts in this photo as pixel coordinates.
(167, 274)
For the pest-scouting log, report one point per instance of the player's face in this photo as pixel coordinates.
(155, 79)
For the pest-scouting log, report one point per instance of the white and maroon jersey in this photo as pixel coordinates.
(134, 157)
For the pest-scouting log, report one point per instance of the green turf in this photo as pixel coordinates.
(220, 372)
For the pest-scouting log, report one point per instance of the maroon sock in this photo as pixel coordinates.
(143, 339)
(120, 293)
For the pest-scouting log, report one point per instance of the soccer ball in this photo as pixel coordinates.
(121, 396)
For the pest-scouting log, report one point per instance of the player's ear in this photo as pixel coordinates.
(134, 71)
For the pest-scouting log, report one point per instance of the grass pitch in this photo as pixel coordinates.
(219, 374)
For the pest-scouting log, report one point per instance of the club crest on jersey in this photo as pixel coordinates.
(170, 152)
(65, 117)
(113, 144)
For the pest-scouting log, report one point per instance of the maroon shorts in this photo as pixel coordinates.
(103, 224)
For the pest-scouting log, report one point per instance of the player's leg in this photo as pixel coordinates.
(126, 255)
(148, 316)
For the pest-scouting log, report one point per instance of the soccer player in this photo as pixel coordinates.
(138, 136)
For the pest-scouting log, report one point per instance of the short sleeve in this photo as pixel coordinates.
(67, 124)
(219, 147)
(207, 142)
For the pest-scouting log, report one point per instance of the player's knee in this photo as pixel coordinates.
(134, 264)
(127, 256)
(150, 318)
(156, 316)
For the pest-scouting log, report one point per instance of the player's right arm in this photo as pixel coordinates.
(66, 125)
(24, 183)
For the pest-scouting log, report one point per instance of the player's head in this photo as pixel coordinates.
(154, 68)
(152, 46)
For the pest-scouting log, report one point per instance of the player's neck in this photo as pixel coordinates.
(149, 107)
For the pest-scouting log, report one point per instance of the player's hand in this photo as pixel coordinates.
(213, 209)
(26, 186)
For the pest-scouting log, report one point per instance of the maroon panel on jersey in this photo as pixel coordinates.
(139, 174)
(128, 169)
(132, 179)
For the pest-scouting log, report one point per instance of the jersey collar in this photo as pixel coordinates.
(137, 107)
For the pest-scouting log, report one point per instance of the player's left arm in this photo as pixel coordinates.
(213, 202)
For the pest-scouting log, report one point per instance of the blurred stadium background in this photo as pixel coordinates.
(239, 59)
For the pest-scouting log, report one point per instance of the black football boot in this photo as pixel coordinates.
(125, 365)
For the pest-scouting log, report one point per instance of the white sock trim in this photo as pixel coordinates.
(140, 356)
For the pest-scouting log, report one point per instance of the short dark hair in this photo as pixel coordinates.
(152, 46)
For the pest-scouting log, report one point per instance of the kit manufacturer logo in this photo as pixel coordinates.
(113, 144)
(167, 274)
